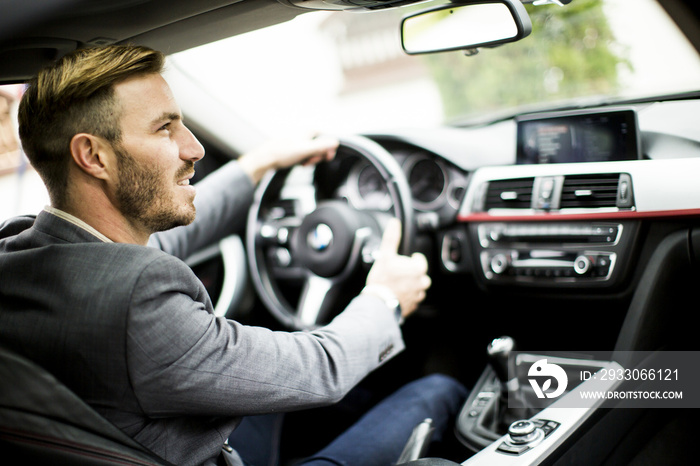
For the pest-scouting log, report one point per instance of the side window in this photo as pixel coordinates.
(9, 147)
(21, 189)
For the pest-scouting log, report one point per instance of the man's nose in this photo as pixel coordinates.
(190, 147)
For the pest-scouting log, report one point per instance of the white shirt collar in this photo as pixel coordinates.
(77, 222)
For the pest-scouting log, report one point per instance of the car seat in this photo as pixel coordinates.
(43, 422)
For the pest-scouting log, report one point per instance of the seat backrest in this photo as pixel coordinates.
(43, 422)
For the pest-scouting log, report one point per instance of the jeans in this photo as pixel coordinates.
(377, 438)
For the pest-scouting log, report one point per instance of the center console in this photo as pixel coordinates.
(532, 440)
(563, 221)
(564, 215)
(569, 254)
(509, 421)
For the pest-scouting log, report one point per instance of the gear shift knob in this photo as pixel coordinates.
(511, 405)
(499, 354)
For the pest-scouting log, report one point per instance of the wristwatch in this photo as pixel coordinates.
(385, 294)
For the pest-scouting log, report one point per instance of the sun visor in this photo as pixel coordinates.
(21, 59)
(348, 4)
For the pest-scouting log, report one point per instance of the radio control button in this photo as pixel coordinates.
(582, 265)
(499, 263)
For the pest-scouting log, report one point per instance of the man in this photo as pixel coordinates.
(129, 328)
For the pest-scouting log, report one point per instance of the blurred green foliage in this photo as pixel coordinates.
(570, 53)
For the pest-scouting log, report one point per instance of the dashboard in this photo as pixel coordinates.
(572, 216)
(484, 216)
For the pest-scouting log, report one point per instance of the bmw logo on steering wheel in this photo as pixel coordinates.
(320, 238)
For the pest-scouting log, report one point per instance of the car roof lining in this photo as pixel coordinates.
(29, 41)
(167, 25)
(214, 25)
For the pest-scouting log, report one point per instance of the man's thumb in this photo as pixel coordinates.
(392, 237)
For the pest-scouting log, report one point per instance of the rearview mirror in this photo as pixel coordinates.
(464, 26)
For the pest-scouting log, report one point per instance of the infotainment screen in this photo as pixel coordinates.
(578, 137)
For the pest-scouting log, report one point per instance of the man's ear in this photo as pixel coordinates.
(92, 155)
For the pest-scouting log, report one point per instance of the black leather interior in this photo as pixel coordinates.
(43, 422)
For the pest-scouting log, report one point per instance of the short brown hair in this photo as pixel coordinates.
(76, 95)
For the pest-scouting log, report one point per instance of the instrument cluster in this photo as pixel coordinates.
(437, 187)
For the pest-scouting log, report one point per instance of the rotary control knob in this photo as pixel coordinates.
(524, 432)
(499, 263)
(582, 265)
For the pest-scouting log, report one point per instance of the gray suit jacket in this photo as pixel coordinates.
(131, 330)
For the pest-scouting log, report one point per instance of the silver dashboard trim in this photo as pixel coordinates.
(659, 185)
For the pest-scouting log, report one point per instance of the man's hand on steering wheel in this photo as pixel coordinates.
(406, 277)
(283, 153)
(308, 252)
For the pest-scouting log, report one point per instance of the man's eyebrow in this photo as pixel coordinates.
(165, 116)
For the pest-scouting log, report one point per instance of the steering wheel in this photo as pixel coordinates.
(309, 248)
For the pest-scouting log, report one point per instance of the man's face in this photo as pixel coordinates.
(156, 156)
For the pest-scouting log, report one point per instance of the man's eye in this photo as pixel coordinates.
(165, 127)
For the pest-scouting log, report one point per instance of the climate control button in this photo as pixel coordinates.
(582, 265)
(499, 263)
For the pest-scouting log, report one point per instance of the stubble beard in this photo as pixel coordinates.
(143, 196)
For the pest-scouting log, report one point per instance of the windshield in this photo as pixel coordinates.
(346, 72)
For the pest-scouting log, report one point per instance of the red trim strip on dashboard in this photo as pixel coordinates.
(554, 216)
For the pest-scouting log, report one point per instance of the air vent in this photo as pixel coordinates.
(509, 194)
(590, 191)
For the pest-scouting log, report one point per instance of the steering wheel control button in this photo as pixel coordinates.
(282, 257)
